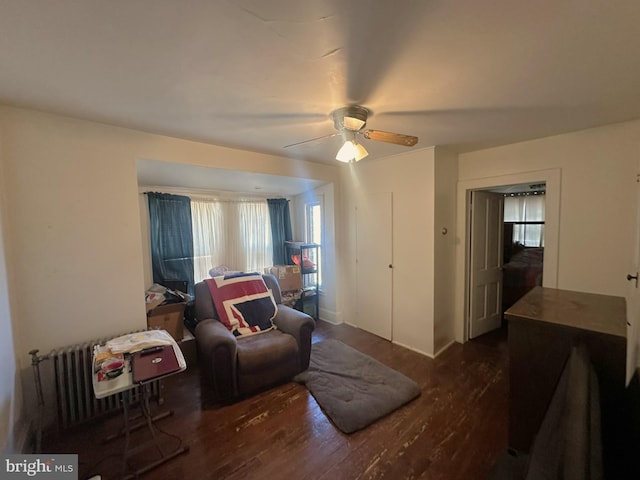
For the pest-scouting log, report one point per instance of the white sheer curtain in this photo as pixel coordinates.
(234, 234)
(526, 208)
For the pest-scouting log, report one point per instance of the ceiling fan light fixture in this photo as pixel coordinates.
(347, 152)
(352, 118)
(351, 152)
(361, 152)
(353, 123)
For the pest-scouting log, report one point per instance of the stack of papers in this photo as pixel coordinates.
(134, 342)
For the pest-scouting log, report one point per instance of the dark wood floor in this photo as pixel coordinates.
(454, 430)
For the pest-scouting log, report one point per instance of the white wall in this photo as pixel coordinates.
(598, 199)
(410, 177)
(446, 176)
(10, 383)
(73, 221)
(423, 183)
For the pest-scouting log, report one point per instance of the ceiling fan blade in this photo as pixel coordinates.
(312, 140)
(397, 138)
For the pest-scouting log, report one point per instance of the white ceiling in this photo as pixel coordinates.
(258, 74)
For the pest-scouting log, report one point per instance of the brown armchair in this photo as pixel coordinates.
(236, 366)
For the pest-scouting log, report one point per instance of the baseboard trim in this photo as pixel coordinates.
(328, 316)
(413, 349)
(444, 348)
(324, 319)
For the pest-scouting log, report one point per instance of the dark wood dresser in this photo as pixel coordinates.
(543, 326)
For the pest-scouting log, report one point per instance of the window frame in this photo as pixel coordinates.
(309, 231)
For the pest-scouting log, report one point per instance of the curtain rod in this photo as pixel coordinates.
(190, 192)
(217, 198)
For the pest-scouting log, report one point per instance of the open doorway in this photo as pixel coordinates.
(523, 244)
(523, 250)
(552, 179)
(514, 230)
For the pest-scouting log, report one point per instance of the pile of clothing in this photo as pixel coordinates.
(157, 295)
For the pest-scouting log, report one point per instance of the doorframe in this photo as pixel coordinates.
(552, 179)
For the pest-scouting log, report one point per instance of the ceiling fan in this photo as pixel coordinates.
(350, 121)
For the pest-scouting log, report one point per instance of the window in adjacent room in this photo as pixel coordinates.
(314, 233)
(526, 213)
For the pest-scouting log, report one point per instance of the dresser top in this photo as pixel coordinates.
(587, 311)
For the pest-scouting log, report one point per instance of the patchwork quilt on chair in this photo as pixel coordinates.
(244, 303)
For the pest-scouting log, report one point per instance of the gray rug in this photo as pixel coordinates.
(353, 389)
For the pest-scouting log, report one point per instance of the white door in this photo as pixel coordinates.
(485, 286)
(633, 297)
(374, 268)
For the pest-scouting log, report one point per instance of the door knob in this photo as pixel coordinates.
(633, 277)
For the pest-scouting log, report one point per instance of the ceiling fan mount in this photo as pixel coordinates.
(352, 117)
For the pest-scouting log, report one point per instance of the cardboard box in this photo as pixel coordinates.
(168, 317)
(289, 276)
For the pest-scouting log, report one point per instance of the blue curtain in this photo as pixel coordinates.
(171, 238)
(280, 219)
